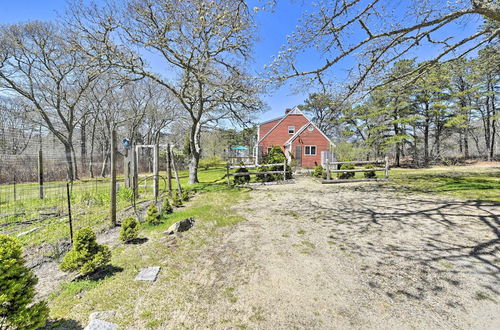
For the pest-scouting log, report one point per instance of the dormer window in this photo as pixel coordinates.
(291, 129)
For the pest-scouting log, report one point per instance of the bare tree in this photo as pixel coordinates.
(377, 33)
(16, 129)
(38, 63)
(202, 44)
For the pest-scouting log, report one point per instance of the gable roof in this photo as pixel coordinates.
(294, 111)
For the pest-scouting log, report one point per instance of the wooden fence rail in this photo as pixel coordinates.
(229, 167)
(385, 169)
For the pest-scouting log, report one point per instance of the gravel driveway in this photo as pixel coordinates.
(353, 256)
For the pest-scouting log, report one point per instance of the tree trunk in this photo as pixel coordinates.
(69, 162)
(195, 153)
(426, 135)
(83, 144)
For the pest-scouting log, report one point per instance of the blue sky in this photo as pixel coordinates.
(272, 31)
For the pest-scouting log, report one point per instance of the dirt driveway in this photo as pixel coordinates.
(350, 256)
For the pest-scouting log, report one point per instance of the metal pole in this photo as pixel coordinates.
(113, 178)
(68, 196)
(169, 169)
(176, 174)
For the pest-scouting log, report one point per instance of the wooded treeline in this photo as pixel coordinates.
(450, 111)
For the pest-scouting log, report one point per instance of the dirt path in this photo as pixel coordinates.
(350, 256)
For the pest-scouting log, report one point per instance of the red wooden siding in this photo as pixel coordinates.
(279, 135)
(264, 128)
(311, 138)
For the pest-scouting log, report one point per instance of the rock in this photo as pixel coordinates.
(180, 226)
(148, 274)
(104, 315)
(96, 324)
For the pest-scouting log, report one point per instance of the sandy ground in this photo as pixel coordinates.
(349, 256)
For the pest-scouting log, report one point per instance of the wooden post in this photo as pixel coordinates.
(386, 168)
(68, 196)
(327, 169)
(156, 171)
(40, 174)
(227, 175)
(113, 178)
(284, 170)
(169, 169)
(179, 188)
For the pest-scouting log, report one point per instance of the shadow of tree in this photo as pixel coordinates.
(414, 245)
(62, 324)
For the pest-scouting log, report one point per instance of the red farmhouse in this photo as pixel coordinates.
(296, 135)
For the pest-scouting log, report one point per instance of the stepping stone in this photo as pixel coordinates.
(96, 324)
(148, 274)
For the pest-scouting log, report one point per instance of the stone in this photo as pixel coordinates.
(148, 274)
(180, 226)
(96, 324)
(104, 315)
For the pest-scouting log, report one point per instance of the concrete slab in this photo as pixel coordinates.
(148, 274)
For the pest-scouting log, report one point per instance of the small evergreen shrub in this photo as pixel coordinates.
(166, 208)
(370, 174)
(176, 200)
(185, 196)
(319, 172)
(242, 179)
(346, 175)
(125, 194)
(130, 229)
(86, 256)
(17, 290)
(152, 215)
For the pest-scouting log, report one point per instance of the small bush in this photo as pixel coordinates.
(346, 175)
(370, 174)
(319, 172)
(86, 256)
(185, 196)
(17, 290)
(92, 199)
(152, 215)
(176, 200)
(125, 194)
(130, 229)
(241, 179)
(166, 208)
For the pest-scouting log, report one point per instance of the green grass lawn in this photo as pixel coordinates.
(463, 182)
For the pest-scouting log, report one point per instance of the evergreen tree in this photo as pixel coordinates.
(152, 215)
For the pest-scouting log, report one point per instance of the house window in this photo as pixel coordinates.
(291, 129)
(310, 150)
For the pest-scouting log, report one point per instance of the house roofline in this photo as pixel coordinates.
(296, 135)
(294, 111)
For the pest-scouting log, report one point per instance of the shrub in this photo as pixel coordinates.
(166, 208)
(346, 175)
(92, 199)
(370, 174)
(125, 194)
(152, 215)
(86, 256)
(319, 172)
(206, 163)
(176, 200)
(241, 179)
(185, 196)
(130, 229)
(274, 156)
(17, 290)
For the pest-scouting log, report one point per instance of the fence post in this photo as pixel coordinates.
(176, 174)
(40, 174)
(284, 170)
(169, 169)
(68, 196)
(386, 168)
(113, 178)
(156, 171)
(227, 175)
(327, 169)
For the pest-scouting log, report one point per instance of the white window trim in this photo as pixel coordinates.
(292, 129)
(309, 154)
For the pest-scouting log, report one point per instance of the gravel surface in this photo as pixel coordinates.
(351, 256)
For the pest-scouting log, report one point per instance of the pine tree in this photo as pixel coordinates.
(152, 215)
(86, 256)
(166, 208)
(177, 200)
(130, 229)
(17, 290)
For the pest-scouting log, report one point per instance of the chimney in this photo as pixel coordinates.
(287, 111)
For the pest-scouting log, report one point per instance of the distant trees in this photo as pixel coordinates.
(202, 44)
(450, 106)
